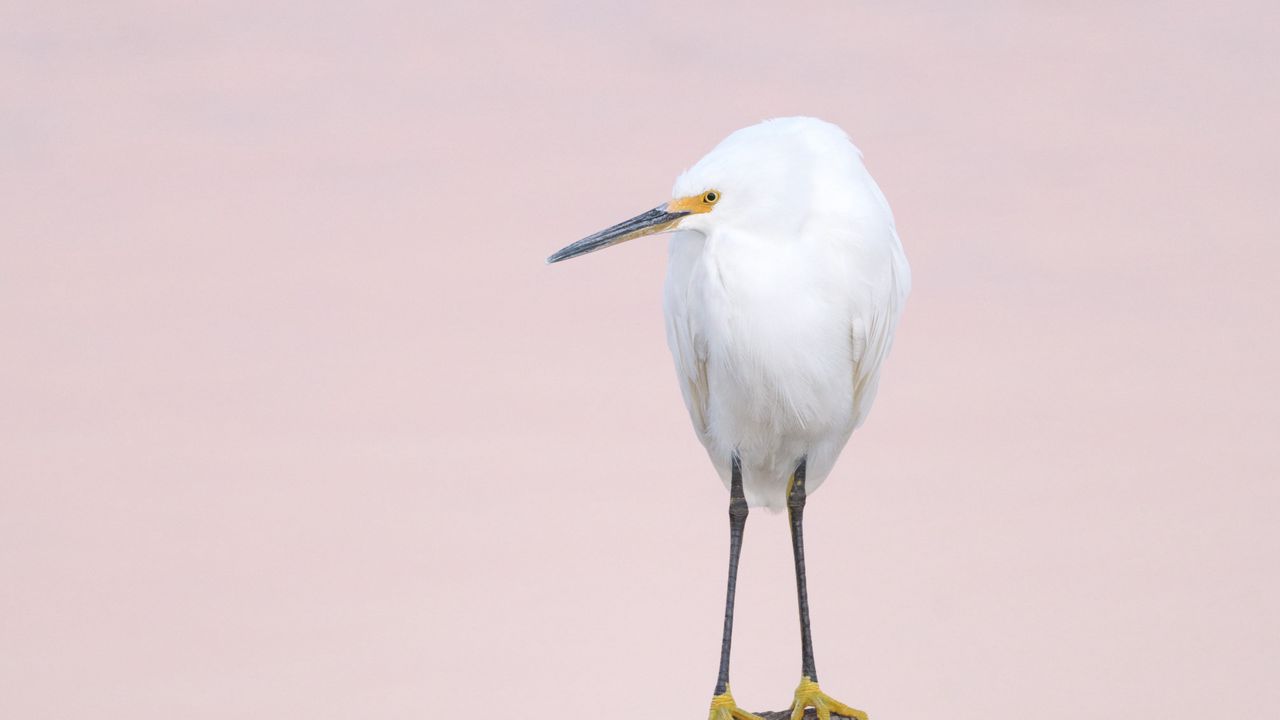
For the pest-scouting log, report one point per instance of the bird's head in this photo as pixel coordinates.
(767, 178)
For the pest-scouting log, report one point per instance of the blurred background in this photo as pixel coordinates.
(295, 423)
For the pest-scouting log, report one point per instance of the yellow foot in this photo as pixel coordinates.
(809, 695)
(724, 708)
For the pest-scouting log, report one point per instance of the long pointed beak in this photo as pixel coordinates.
(656, 220)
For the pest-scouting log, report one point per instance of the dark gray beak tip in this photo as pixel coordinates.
(557, 256)
(566, 253)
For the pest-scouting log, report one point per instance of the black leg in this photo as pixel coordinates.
(795, 511)
(737, 522)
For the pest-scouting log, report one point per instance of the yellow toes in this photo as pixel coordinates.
(724, 708)
(809, 695)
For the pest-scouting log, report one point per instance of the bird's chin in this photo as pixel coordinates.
(687, 235)
(694, 224)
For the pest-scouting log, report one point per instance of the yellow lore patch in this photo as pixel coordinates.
(695, 203)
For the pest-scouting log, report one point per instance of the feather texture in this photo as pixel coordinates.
(781, 304)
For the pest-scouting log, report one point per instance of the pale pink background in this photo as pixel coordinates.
(296, 424)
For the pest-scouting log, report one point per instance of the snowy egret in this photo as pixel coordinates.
(784, 286)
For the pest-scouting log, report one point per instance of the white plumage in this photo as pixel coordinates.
(784, 287)
(781, 304)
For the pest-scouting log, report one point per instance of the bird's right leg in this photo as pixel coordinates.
(808, 694)
(723, 706)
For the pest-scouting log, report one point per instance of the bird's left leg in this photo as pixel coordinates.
(723, 706)
(808, 694)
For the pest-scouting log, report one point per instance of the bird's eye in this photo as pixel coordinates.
(710, 196)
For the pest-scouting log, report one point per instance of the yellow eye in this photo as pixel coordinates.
(710, 197)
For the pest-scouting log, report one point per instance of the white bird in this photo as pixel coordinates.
(785, 283)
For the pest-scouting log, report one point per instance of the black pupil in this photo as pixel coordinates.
(711, 197)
